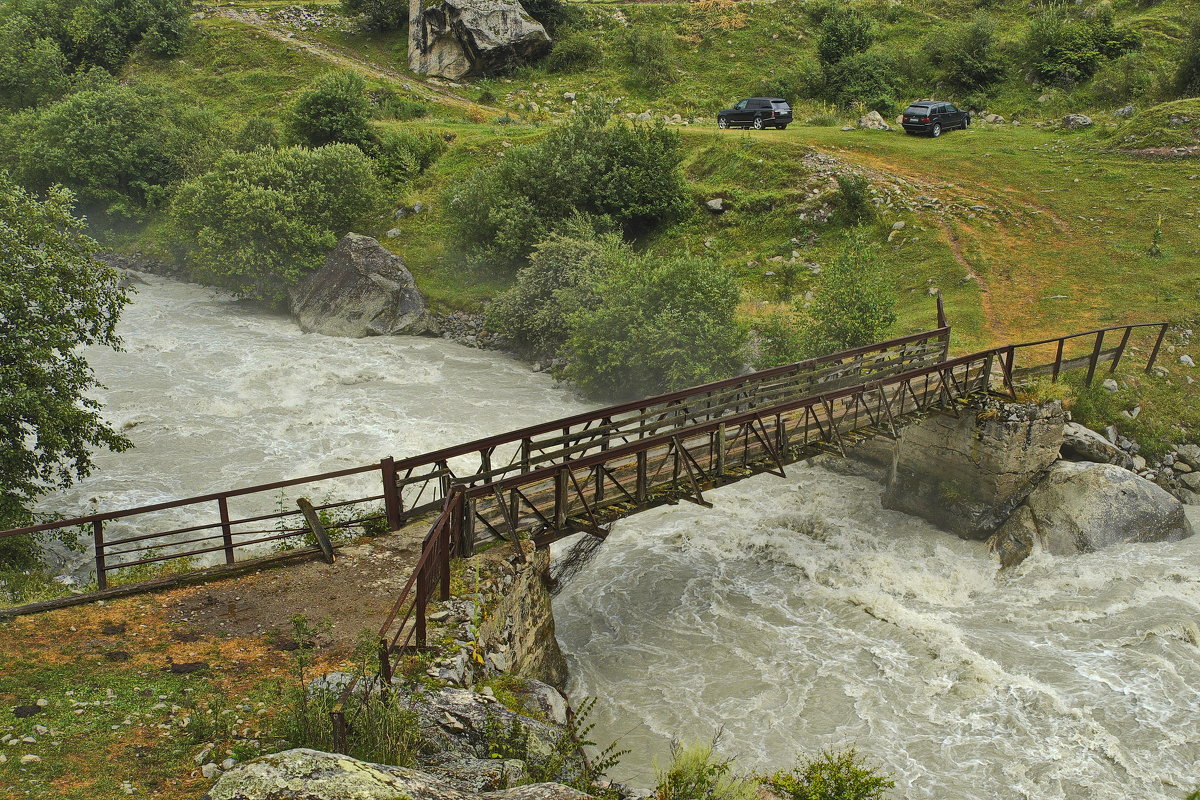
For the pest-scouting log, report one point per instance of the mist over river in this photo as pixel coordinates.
(797, 613)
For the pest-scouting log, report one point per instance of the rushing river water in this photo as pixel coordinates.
(800, 615)
(797, 613)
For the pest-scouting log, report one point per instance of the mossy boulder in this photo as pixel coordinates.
(1175, 124)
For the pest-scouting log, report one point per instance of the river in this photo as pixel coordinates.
(796, 614)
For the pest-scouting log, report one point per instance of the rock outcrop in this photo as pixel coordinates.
(463, 38)
(303, 774)
(1083, 507)
(1084, 444)
(873, 121)
(968, 474)
(362, 290)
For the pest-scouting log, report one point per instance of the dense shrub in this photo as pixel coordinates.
(614, 169)
(378, 15)
(116, 146)
(1187, 76)
(845, 31)
(335, 109)
(1064, 48)
(400, 108)
(257, 133)
(854, 302)
(258, 222)
(32, 69)
(1132, 76)
(649, 54)
(574, 49)
(853, 200)
(551, 13)
(864, 78)
(534, 316)
(779, 339)
(401, 155)
(660, 324)
(832, 776)
(969, 53)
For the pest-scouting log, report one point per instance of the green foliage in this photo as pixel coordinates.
(259, 133)
(1163, 125)
(832, 776)
(402, 154)
(854, 303)
(1156, 240)
(649, 53)
(574, 49)
(1064, 48)
(32, 69)
(696, 773)
(626, 173)
(780, 341)
(551, 13)
(969, 54)
(1187, 75)
(863, 78)
(335, 109)
(118, 146)
(378, 15)
(258, 222)
(54, 298)
(534, 316)
(853, 200)
(661, 324)
(845, 31)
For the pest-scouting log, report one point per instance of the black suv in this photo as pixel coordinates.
(757, 113)
(933, 117)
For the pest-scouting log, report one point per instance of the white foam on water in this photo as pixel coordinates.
(798, 614)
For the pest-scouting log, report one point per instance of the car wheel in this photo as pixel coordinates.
(758, 123)
(783, 127)
(722, 122)
(937, 130)
(966, 121)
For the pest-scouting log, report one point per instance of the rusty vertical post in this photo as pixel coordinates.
(392, 503)
(98, 541)
(443, 469)
(1057, 361)
(385, 664)
(340, 743)
(421, 602)
(721, 450)
(453, 531)
(941, 310)
(466, 541)
(560, 499)
(1094, 359)
(1162, 332)
(226, 528)
(643, 490)
(1120, 349)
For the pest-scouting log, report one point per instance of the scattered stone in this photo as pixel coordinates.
(898, 226)
(41, 730)
(42, 702)
(1187, 361)
(393, 233)
(993, 119)
(1084, 444)
(716, 205)
(229, 764)
(1076, 122)
(1189, 453)
(209, 771)
(569, 96)
(31, 759)
(873, 121)
(1110, 385)
(1125, 112)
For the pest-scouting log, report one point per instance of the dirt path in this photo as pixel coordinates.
(349, 61)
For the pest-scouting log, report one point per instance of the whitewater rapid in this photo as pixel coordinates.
(216, 394)
(799, 615)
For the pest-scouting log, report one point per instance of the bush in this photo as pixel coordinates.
(1187, 76)
(968, 53)
(864, 78)
(32, 69)
(535, 314)
(608, 169)
(258, 133)
(335, 110)
(389, 105)
(649, 52)
(402, 155)
(574, 49)
(117, 146)
(853, 304)
(378, 15)
(853, 201)
(551, 13)
(845, 31)
(660, 324)
(1065, 49)
(695, 773)
(780, 341)
(1133, 76)
(258, 222)
(832, 776)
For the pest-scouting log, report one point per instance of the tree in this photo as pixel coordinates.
(969, 54)
(258, 222)
(32, 69)
(659, 324)
(854, 303)
(335, 110)
(378, 15)
(845, 31)
(55, 297)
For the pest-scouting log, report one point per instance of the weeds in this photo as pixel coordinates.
(696, 773)
(832, 776)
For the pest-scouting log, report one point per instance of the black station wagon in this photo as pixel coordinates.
(933, 117)
(757, 113)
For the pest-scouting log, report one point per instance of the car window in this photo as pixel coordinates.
(951, 108)
(740, 105)
(916, 111)
(781, 105)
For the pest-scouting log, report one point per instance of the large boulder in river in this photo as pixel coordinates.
(462, 38)
(1084, 444)
(303, 774)
(1082, 507)
(967, 474)
(363, 290)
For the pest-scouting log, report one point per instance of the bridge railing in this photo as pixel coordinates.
(1088, 350)
(209, 527)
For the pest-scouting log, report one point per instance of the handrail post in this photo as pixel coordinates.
(1094, 359)
(338, 718)
(226, 528)
(1120, 349)
(385, 667)
(941, 310)
(453, 530)
(392, 502)
(560, 500)
(1057, 361)
(1162, 332)
(98, 542)
(642, 491)
(421, 602)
